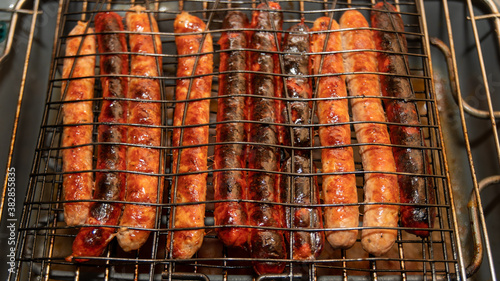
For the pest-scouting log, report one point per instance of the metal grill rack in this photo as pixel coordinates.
(45, 240)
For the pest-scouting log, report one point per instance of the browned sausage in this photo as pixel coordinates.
(140, 187)
(303, 190)
(379, 187)
(340, 187)
(229, 152)
(413, 188)
(110, 184)
(263, 156)
(191, 188)
(300, 189)
(78, 186)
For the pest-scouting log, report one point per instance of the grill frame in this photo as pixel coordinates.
(57, 217)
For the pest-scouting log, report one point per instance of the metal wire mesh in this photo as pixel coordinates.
(45, 240)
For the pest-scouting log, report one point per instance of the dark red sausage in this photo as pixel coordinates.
(412, 188)
(109, 185)
(263, 186)
(231, 184)
(307, 245)
(297, 189)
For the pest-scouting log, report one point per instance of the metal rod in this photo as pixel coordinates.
(466, 139)
(454, 83)
(495, 135)
(12, 29)
(19, 103)
(477, 258)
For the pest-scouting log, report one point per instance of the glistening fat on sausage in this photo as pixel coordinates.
(110, 183)
(191, 188)
(300, 189)
(375, 151)
(229, 151)
(143, 155)
(77, 139)
(339, 182)
(414, 188)
(263, 157)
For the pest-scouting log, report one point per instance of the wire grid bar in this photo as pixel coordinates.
(45, 239)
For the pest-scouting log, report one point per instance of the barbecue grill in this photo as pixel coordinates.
(43, 240)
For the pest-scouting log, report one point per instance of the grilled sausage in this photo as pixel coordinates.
(408, 160)
(229, 153)
(299, 189)
(303, 190)
(110, 184)
(379, 187)
(191, 188)
(263, 156)
(140, 187)
(298, 85)
(78, 186)
(338, 188)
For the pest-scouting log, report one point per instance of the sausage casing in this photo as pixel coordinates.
(110, 183)
(140, 187)
(300, 189)
(303, 190)
(230, 185)
(340, 187)
(191, 188)
(379, 187)
(78, 186)
(413, 188)
(263, 156)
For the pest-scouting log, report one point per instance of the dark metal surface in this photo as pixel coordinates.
(45, 239)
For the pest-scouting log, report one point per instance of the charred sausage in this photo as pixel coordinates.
(229, 152)
(306, 245)
(262, 155)
(300, 189)
(413, 188)
(110, 183)
(379, 187)
(140, 187)
(191, 188)
(78, 186)
(339, 187)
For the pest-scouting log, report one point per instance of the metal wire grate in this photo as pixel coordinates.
(45, 240)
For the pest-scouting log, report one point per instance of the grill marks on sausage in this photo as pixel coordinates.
(109, 185)
(262, 185)
(78, 186)
(413, 188)
(300, 189)
(231, 184)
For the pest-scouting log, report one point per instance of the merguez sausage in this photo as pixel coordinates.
(300, 189)
(110, 184)
(140, 187)
(229, 151)
(78, 186)
(263, 156)
(340, 187)
(408, 160)
(379, 187)
(191, 188)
